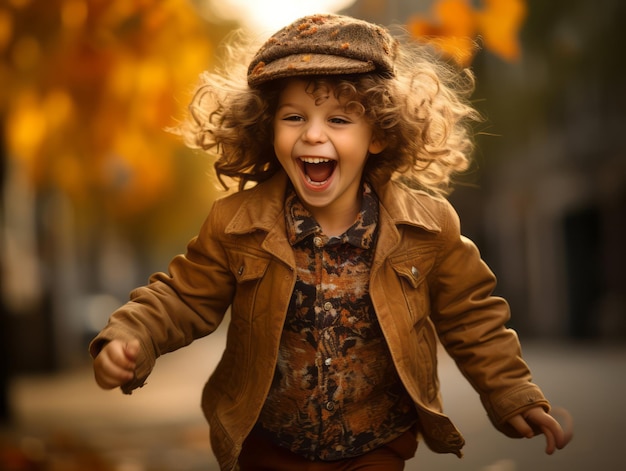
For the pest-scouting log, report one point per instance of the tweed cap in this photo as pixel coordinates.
(324, 45)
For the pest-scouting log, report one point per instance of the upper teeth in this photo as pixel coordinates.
(314, 160)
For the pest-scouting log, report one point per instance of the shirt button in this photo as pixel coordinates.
(328, 306)
(330, 406)
(328, 361)
(318, 241)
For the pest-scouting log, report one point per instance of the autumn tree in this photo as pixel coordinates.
(87, 88)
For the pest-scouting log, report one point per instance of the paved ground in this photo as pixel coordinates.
(160, 427)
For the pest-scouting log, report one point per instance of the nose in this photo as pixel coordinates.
(314, 132)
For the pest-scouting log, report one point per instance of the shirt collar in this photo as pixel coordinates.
(301, 223)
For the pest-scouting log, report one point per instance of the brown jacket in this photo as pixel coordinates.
(427, 282)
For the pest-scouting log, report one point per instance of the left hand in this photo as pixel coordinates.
(536, 421)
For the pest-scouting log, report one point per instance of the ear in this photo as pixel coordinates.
(377, 145)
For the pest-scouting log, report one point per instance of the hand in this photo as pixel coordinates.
(536, 421)
(115, 364)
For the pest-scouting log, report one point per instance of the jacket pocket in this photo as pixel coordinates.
(412, 269)
(248, 265)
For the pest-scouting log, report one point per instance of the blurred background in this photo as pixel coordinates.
(95, 195)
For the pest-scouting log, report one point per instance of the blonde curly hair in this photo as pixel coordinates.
(423, 114)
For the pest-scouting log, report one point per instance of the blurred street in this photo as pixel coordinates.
(160, 427)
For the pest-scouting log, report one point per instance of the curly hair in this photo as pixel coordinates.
(423, 114)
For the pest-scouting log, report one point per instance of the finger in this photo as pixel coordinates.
(556, 437)
(131, 350)
(111, 380)
(109, 373)
(116, 353)
(564, 418)
(550, 440)
(521, 426)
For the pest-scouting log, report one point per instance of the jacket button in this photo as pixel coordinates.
(318, 241)
(328, 306)
(415, 272)
(240, 271)
(328, 361)
(330, 406)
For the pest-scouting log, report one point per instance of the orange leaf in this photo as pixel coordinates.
(455, 17)
(419, 27)
(500, 23)
(454, 24)
(451, 31)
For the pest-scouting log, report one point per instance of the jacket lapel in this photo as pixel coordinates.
(409, 207)
(263, 210)
(401, 206)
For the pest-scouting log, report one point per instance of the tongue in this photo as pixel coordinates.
(319, 172)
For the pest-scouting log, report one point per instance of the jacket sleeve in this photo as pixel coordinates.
(471, 324)
(175, 308)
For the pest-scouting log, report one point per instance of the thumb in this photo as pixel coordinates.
(131, 350)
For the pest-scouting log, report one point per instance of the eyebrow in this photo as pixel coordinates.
(285, 105)
(336, 107)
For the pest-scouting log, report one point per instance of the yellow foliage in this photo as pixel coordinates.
(134, 175)
(66, 170)
(26, 53)
(90, 87)
(74, 13)
(6, 29)
(454, 25)
(26, 128)
(58, 109)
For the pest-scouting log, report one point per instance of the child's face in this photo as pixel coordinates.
(322, 147)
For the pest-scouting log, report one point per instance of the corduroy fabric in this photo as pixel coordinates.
(324, 45)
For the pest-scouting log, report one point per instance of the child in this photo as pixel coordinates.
(342, 264)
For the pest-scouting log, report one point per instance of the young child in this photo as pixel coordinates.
(340, 259)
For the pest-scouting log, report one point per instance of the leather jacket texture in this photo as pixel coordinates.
(428, 285)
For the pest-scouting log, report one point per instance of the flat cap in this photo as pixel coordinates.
(324, 44)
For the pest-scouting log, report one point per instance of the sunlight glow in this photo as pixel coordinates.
(268, 16)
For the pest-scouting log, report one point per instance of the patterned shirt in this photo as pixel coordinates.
(336, 393)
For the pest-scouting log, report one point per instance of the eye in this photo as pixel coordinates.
(293, 117)
(339, 120)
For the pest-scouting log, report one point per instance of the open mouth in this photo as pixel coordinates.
(317, 170)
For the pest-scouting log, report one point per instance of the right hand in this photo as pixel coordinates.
(115, 364)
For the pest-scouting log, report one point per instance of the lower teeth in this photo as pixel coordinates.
(314, 183)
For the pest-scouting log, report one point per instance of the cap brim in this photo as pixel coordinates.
(307, 64)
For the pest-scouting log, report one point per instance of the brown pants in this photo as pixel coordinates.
(259, 454)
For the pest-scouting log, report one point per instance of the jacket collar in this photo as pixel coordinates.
(263, 208)
(409, 207)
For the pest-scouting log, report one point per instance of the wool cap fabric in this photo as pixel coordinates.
(324, 44)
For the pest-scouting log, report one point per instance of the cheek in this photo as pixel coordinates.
(282, 149)
(275, 133)
(277, 140)
(279, 149)
(284, 141)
